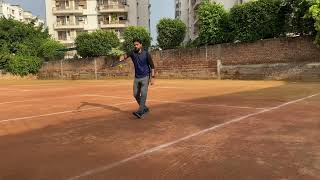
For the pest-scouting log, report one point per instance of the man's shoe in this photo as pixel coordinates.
(137, 114)
(146, 110)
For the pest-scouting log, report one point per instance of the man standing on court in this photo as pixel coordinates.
(144, 73)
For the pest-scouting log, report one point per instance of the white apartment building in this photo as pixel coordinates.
(185, 10)
(16, 12)
(182, 12)
(66, 19)
(28, 17)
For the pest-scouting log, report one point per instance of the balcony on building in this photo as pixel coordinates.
(65, 37)
(68, 25)
(114, 6)
(69, 7)
(67, 42)
(67, 10)
(113, 20)
(113, 24)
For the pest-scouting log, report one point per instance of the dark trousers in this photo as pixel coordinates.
(140, 92)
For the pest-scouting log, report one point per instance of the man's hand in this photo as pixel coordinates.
(152, 81)
(152, 76)
(122, 58)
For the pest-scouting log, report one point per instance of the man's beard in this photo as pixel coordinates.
(136, 50)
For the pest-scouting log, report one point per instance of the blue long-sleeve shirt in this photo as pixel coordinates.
(143, 63)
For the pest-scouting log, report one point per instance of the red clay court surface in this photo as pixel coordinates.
(68, 130)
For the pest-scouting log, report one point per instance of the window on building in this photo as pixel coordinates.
(62, 4)
(123, 17)
(63, 35)
(81, 4)
(124, 2)
(63, 20)
(81, 19)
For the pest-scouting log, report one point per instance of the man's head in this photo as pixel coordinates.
(137, 45)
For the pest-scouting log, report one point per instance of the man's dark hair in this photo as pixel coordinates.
(137, 40)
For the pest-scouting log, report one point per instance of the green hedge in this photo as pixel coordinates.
(256, 20)
(295, 17)
(131, 33)
(214, 24)
(4, 60)
(171, 33)
(22, 38)
(23, 65)
(98, 43)
(52, 50)
(20, 46)
(315, 13)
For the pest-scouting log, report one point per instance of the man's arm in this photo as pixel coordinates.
(125, 57)
(150, 61)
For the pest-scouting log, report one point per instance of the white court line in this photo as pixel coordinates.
(63, 83)
(177, 102)
(59, 88)
(61, 112)
(105, 96)
(82, 86)
(160, 147)
(168, 87)
(46, 98)
(199, 104)
(40, 84)
(39, 99)
(9, 89)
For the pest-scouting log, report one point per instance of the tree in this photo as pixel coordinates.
(4, 60)
(171, 33)
(132, 33)
(98, 43)
(256, 20)
(294, 14)
(213, 23)
(315, 13)
(20, 46)
(21, 38)
(23, 65)
(52, 50)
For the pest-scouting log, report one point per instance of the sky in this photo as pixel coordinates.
(159, 9)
